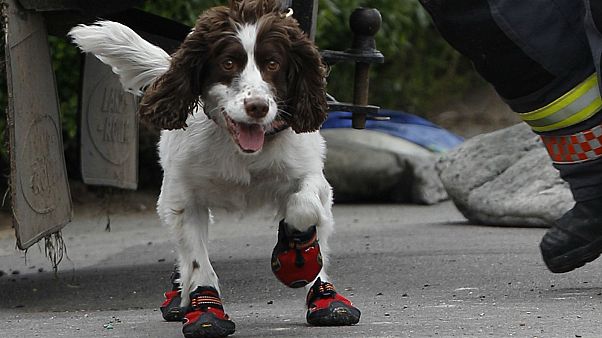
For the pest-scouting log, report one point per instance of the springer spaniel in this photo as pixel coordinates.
(240, 102)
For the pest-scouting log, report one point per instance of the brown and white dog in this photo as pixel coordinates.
(240, 102)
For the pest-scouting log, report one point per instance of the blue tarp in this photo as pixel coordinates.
(406, 126)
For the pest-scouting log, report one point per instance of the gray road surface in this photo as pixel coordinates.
(414, 271)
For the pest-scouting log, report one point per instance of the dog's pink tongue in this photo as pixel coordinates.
(250, 137)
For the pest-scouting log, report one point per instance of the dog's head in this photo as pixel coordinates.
(252, 69)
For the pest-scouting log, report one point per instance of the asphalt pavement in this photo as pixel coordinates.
(414, 271)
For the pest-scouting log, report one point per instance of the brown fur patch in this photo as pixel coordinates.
(177, 93)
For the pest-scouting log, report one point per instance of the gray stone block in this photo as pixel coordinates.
(505, 178)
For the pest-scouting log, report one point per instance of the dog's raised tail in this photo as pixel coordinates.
(137, 61)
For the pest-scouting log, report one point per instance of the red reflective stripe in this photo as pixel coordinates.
(567, 149)
(571, 149)
(586, 147)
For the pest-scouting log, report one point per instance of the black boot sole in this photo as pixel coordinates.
(337, 314)
(573, 259)
(208, 326)
(173, 312)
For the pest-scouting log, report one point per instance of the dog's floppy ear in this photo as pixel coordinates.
(307, 84)
(169, 100)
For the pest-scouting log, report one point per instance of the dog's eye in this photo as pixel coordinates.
(228, 65)
(273, 66)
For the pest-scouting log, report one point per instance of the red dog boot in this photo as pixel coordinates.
(170, 309)
(206, 317)
(296, 259)
(325, 307)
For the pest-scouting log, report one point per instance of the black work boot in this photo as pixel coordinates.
(575, 238)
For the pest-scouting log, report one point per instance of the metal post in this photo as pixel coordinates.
(364, 23)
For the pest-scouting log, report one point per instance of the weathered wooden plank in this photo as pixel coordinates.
(109, 129)
(97, 7)
(45, 5)
(62, 15)
(163, 32)
(41, 200)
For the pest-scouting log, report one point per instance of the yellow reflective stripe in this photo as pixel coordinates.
(583, 115)
(562, 101)
(577, 105)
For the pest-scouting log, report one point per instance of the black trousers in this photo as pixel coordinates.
(532, 52)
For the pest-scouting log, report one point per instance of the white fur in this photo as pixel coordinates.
(250, 84)
(204, 171)
(136, 61)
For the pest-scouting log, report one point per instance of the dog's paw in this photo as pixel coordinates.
(302, 211)
(326, 307)
(206, 317)
(296, 259)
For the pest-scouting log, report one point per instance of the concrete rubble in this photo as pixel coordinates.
(505, 178)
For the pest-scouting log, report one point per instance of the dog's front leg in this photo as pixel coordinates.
(298, 258)
(195, 228)
(311, 205)
(201, 301)
(189, 225)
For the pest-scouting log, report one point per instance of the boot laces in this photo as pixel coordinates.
(321, 290)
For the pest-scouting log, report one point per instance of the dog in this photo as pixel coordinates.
(240, 103)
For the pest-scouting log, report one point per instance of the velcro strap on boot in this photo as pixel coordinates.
(319, 290)
(302, 240)
(205, 297)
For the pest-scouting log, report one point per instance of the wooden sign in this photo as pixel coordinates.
(109, 129)
(40, 191)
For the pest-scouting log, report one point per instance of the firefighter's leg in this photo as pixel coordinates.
(576, 238)
(538, 57)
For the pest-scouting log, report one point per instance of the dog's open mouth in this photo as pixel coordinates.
(249, 137)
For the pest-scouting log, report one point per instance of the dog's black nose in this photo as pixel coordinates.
(256, 107)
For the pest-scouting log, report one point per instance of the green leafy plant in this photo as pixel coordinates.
(420, 67)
